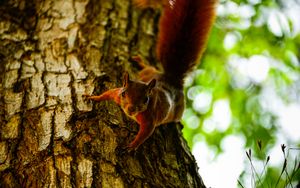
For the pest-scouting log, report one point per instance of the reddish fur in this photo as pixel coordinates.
(146, 130)
(183, 34)
(112, 94)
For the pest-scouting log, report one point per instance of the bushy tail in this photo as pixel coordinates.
(183, 32)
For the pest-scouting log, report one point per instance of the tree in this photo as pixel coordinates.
(53, 52)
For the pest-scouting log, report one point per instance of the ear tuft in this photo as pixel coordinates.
(151, 84)
(125, 79)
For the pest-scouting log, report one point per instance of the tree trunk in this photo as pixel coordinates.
(51, 53)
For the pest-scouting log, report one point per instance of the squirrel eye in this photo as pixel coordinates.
(123, 94)
(146, 100)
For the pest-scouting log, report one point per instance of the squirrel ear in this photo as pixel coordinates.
(126, 79)
(151, 84)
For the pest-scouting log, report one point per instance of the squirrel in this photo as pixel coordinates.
(157, 97)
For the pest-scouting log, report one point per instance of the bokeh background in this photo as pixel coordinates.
(247, 91)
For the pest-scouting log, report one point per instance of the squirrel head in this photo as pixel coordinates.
(135, 96)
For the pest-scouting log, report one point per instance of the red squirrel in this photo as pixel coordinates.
(157, 97)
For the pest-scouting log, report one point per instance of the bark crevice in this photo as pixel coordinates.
(53, 52)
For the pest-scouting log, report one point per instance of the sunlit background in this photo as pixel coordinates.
(247, 90)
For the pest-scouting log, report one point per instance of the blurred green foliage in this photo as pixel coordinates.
(251, 61)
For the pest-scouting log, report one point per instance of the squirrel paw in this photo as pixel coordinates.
(86, 96)
(126, 150)
(139, 60)
(92, 97)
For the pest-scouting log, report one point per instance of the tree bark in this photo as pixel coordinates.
(51, 53)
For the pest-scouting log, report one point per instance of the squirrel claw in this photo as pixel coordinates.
(86, 96)
(92, 97)
(129, 149)
(126, 150)
(139, 60)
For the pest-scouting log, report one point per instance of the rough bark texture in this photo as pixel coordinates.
(51, 53)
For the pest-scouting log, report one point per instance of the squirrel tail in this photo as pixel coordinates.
(183, 32)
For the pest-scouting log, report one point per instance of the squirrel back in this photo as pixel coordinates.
(183, 31)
